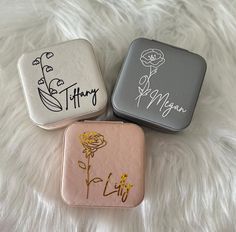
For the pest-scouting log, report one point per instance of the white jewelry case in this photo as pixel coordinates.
(62, 84)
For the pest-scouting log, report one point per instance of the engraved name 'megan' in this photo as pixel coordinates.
(163, 101)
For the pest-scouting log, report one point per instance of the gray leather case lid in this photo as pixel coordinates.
(158, 85)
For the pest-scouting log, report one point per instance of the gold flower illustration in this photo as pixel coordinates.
(91, 141)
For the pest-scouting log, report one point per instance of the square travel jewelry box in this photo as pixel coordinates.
(158, 85)
(103, 164)
(62, 83)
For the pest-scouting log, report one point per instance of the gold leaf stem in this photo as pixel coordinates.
(88, 180)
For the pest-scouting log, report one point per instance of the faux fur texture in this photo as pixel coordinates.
(190, 176)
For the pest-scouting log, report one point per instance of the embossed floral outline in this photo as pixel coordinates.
(153, 59)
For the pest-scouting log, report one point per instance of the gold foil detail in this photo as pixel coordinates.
(91, 141)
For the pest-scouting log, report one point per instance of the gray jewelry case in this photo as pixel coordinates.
(158, 85)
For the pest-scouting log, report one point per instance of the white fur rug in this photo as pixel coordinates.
(190, 176)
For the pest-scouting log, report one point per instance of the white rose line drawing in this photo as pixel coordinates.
(152, 58)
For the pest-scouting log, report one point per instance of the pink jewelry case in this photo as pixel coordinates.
(103, 164)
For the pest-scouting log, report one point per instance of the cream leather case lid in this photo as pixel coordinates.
(103, 164)
(62, 83)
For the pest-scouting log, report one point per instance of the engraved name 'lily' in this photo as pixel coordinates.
(122, 188)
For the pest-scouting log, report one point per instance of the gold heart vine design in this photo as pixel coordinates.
(91, 141)
(153, 59)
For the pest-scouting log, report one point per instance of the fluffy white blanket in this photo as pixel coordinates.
(190, 176)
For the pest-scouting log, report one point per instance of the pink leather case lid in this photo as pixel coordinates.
(103, 164)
